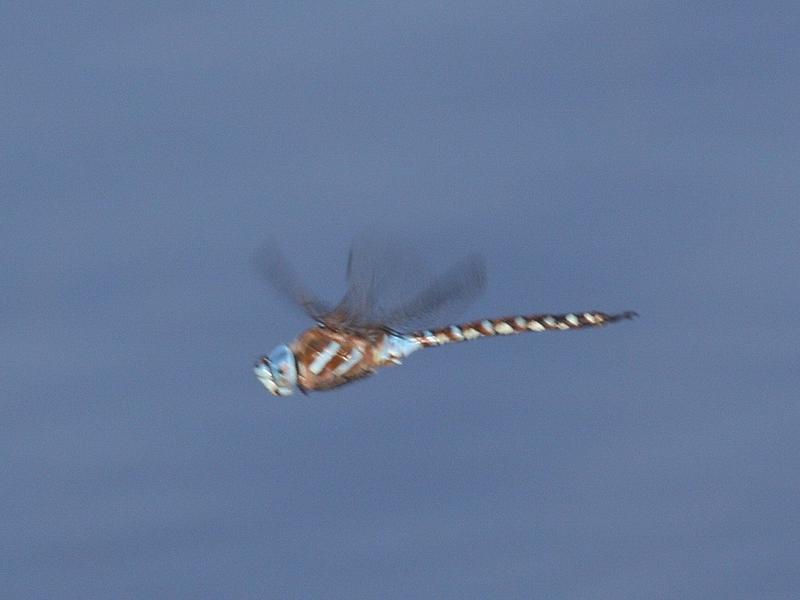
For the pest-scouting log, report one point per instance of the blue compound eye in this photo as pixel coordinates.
(283, 369)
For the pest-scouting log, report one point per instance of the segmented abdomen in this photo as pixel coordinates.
(516, 324)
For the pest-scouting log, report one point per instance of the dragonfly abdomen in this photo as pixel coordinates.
(515, 324)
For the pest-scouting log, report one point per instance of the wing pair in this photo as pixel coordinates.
(386, 287)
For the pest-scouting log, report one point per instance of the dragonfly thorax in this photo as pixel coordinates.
(278, 371)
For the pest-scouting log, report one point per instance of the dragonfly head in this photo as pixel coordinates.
(278, 371)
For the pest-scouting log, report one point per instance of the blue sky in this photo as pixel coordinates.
(609, 155)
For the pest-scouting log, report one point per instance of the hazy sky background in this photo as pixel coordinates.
(600, 155)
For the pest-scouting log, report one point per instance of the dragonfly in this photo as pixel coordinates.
(373, 325)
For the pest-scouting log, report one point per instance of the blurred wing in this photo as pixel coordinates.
(272, 264)
(372, 269)
(455, 288)
(387, 286)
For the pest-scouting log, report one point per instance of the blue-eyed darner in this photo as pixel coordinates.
(362, 333)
